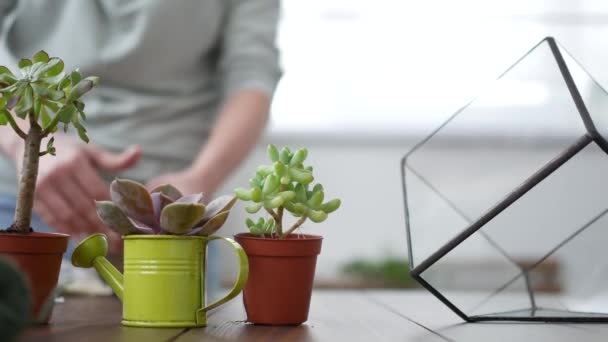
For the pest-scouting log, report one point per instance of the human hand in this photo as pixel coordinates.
(68, 184)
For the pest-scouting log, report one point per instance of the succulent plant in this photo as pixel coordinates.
(164, 210)
(44, 96)
(285, 185)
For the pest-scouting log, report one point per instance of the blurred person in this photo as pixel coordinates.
(185, 92)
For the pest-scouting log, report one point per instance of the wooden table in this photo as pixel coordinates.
(369, 316)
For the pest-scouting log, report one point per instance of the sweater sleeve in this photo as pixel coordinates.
(249, 57)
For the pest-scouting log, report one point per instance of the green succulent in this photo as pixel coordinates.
(285, 185)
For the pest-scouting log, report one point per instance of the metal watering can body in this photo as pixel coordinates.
(164, 277)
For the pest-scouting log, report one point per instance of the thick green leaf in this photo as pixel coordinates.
(253, 208)
(301, 193)
(315, 200)
(41, 56)
(301, 176)
(273, 153)
(134, 200)
(298, 157)
(331, 206)
(169, 191)
(180, 218)
(243, 194)
(271, 184)
(275, 202)
(317, 216)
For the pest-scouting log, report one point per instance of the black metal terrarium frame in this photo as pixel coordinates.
(535, 313)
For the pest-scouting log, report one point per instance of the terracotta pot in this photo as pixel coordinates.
(38, 255)
(281, 275)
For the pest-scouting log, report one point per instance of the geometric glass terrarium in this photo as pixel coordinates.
(512, 189)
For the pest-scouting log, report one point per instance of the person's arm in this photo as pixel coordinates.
(249, 72)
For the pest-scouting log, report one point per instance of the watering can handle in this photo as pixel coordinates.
(241, 278)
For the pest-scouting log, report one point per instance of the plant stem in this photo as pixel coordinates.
(294, 227)
(14, 125)
(279, 225)
(27, 179)
(276, 218)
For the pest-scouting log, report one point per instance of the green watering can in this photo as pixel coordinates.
(164, 277)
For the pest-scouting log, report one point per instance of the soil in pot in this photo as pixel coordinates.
(281, 275)
(38, 255)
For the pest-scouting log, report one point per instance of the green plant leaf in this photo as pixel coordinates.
(271, 184)
(75, 77)
(253, 208)
(274, 202)
(300, 191)
(24, 63)
(316, 200)
(242, 194)
(66, 113)
(25, 104)
(41, 56)
(6, 71)
(256, 194)
(53, 67)
(79, 90)
(301, 176)
(298, 157)
(285, 155)
(273, 152)
(179, 218)
(317, 216)
(50, 147)
(331, 206)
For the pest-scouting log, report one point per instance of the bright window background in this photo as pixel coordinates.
(377, 67)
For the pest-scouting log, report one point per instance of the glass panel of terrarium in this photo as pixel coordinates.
(554, 210)
(519, 124)
(475, 271)
(594, 96)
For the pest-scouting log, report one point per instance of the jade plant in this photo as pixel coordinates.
(285, 186)
(163, 210)
(43, 96)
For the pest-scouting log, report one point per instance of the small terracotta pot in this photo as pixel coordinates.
(281, 275)
(38, 255)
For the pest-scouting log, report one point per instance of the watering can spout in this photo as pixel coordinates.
(91, 252)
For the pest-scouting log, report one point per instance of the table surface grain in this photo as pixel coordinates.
(334, 316)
